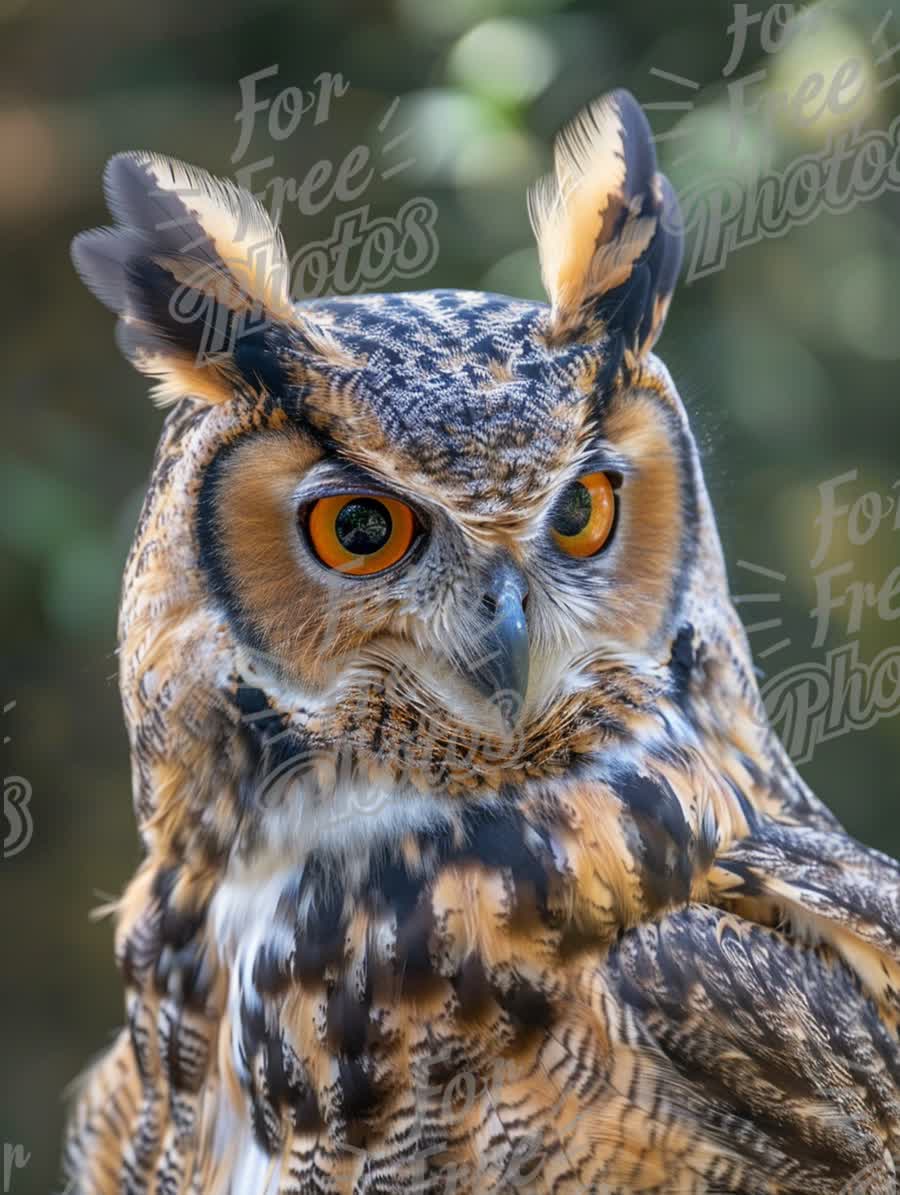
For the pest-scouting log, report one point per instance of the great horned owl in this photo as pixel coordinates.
(471, 863)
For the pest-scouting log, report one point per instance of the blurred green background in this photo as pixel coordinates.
(787, 359)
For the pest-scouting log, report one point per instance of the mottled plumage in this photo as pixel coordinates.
(395, 931)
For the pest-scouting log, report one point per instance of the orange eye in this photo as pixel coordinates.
(360, 534)
(585, 515)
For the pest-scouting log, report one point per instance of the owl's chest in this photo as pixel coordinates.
(381, 969)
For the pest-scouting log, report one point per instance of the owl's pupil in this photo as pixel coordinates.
(363, 526)
(574, 511)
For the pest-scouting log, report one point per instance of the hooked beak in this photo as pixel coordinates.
(499, 667)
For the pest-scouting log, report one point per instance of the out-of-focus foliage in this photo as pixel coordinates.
(787, 359)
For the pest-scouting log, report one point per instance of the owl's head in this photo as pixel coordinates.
(410, 546)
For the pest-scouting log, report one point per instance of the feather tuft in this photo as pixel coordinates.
(607, 226)
(192, 265)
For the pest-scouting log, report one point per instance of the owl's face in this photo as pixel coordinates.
(425, 543)
(472, 526)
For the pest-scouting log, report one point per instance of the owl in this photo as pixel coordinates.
(470, 862)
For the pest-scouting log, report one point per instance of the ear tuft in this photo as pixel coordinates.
(608, 227)
(192, 266)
